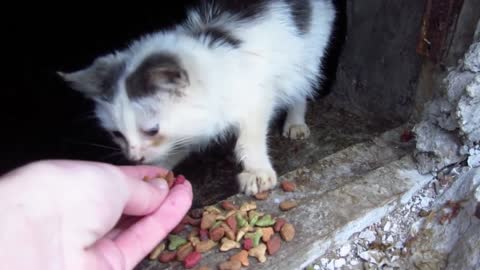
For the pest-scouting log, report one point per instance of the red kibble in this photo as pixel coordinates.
(167, 256)
(179, 180)
(407, 136)
(274, 245)
(192, 260)
(227, 205)
(204, 235)
(279, 224)
(191, 221)
(248, 244)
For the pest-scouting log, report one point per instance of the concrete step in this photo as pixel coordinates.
(338, 196)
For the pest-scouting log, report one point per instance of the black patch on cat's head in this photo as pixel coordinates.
(301, 11)
(215, 36)
(98, 80)
(241, 9)
(157, 72)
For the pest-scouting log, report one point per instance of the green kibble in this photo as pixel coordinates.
(255, 237)
(241, 222)
(265, 221)
(254, 219)
(175, 242)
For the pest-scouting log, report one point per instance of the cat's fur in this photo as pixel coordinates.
(228, 67)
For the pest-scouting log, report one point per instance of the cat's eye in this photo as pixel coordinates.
(152, 132)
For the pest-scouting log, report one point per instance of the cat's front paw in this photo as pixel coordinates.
(296, 131)
(254, 181)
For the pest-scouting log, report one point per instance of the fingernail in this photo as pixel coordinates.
(159, 183)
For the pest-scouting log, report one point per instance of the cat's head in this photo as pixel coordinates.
(150, 106)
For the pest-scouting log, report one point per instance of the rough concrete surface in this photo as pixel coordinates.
(450, 128)
(449, 238)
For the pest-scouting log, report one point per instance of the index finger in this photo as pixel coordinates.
(138, 240)
(142, 171)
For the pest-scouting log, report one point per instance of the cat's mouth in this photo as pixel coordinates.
(159, 140)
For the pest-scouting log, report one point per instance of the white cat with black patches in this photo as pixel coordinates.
(228, 67)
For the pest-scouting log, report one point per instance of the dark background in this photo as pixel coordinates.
(42, 117)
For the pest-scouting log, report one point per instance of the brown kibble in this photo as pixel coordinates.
(230, 213)
(262, 195)
(228, 244)
(180, 227)
(241, 257)
(184, 251)
(170, 178)
(232, 223)
(205, 246)
(193, 233)
(212, 210)
(207, 221)
(274, 245)
(204, 267)
(191, 221)
(267, 234)
(217, 234)
(157, 251)
(227, 205)
(230, 265)
(167, 256)
(229, 233)
(279, 224)
(194, 240)
(288, 186)
(287, 232)
(288, 205)
(248, 206)
(259, 253)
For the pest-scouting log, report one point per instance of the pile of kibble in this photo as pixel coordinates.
(227, 227)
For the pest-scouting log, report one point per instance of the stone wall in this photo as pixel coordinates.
(450, 129)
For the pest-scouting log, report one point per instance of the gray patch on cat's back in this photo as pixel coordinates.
(301, 11)
(144, 81)
(215, 36)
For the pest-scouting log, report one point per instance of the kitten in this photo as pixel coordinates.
(228, 67)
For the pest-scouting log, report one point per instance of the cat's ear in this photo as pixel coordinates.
(99, 78)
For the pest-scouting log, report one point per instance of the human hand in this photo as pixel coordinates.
(65, 214)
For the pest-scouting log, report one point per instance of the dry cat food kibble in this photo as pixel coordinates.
(243, 230)
(288, 186)
(288, 205)
(262, 195)
(192, 260)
